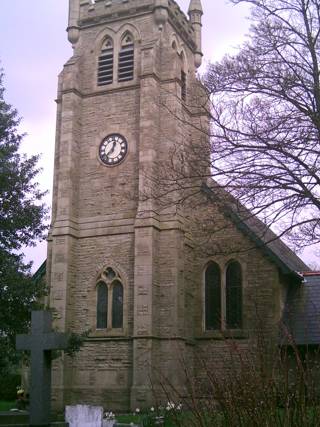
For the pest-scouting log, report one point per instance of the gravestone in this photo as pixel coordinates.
(41, 341)
(90, 416)
(84, 416)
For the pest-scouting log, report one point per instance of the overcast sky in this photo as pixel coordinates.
(34, 47)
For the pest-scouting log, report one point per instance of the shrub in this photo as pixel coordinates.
(262, 385)
(9, 384)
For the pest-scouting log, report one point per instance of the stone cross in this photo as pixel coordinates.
(41, 341)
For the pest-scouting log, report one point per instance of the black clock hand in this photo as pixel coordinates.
(112, 149)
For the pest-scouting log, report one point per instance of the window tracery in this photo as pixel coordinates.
(110, 299)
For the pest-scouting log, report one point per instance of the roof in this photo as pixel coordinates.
(275, 245)
(261, 235)
(40, 273)
(302, 313)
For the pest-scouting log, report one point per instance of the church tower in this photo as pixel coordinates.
(116, 260)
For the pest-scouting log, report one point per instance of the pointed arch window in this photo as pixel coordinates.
(234, 295)
(102, 305)
(110, 296)
(223, 297)
(183, 86)
(105, 63)
(126, 59)
(117, 305)
(212, 297)
(183, 78)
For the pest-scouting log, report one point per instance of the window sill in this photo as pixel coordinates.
(102, 333)
(116, 85)
(226, 334)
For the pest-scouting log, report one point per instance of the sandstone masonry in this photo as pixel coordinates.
(110, 216)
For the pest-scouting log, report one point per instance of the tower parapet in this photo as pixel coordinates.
(183, 26)
(87, 13)
(99, 11)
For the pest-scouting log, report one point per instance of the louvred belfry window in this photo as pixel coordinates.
(126, 59)
(105, 64)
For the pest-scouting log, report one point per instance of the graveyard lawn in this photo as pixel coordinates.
(141, 420)
(127, 419)
(6, 405)
(216, 419)
(137, 420)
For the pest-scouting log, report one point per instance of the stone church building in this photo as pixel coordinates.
(124, 266)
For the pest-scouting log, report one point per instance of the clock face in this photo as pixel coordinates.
(113, 149)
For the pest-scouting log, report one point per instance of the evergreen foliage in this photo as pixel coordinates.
(22, 216)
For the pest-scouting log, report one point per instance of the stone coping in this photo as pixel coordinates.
(14, 417)
(21, 419)
(125, 425)
(62, 424)
(27, 425)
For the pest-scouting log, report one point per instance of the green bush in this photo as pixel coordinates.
(8, 386)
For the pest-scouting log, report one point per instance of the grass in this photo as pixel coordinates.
(127, 419)
(6, 405)
(136, 419)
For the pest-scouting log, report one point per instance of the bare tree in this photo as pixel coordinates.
(265, 106)
(259, 155)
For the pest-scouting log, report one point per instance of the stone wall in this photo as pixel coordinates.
(114, 216)
(221, 241)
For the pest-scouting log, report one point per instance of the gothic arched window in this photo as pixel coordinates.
(102, 305)
(212, 297)
(126, 59)
(117, 305)
(233, 295)
(105, 63)
(110, 296)
(183, 86)
(183, 78)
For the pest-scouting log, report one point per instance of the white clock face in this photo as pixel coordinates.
(113, 149)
